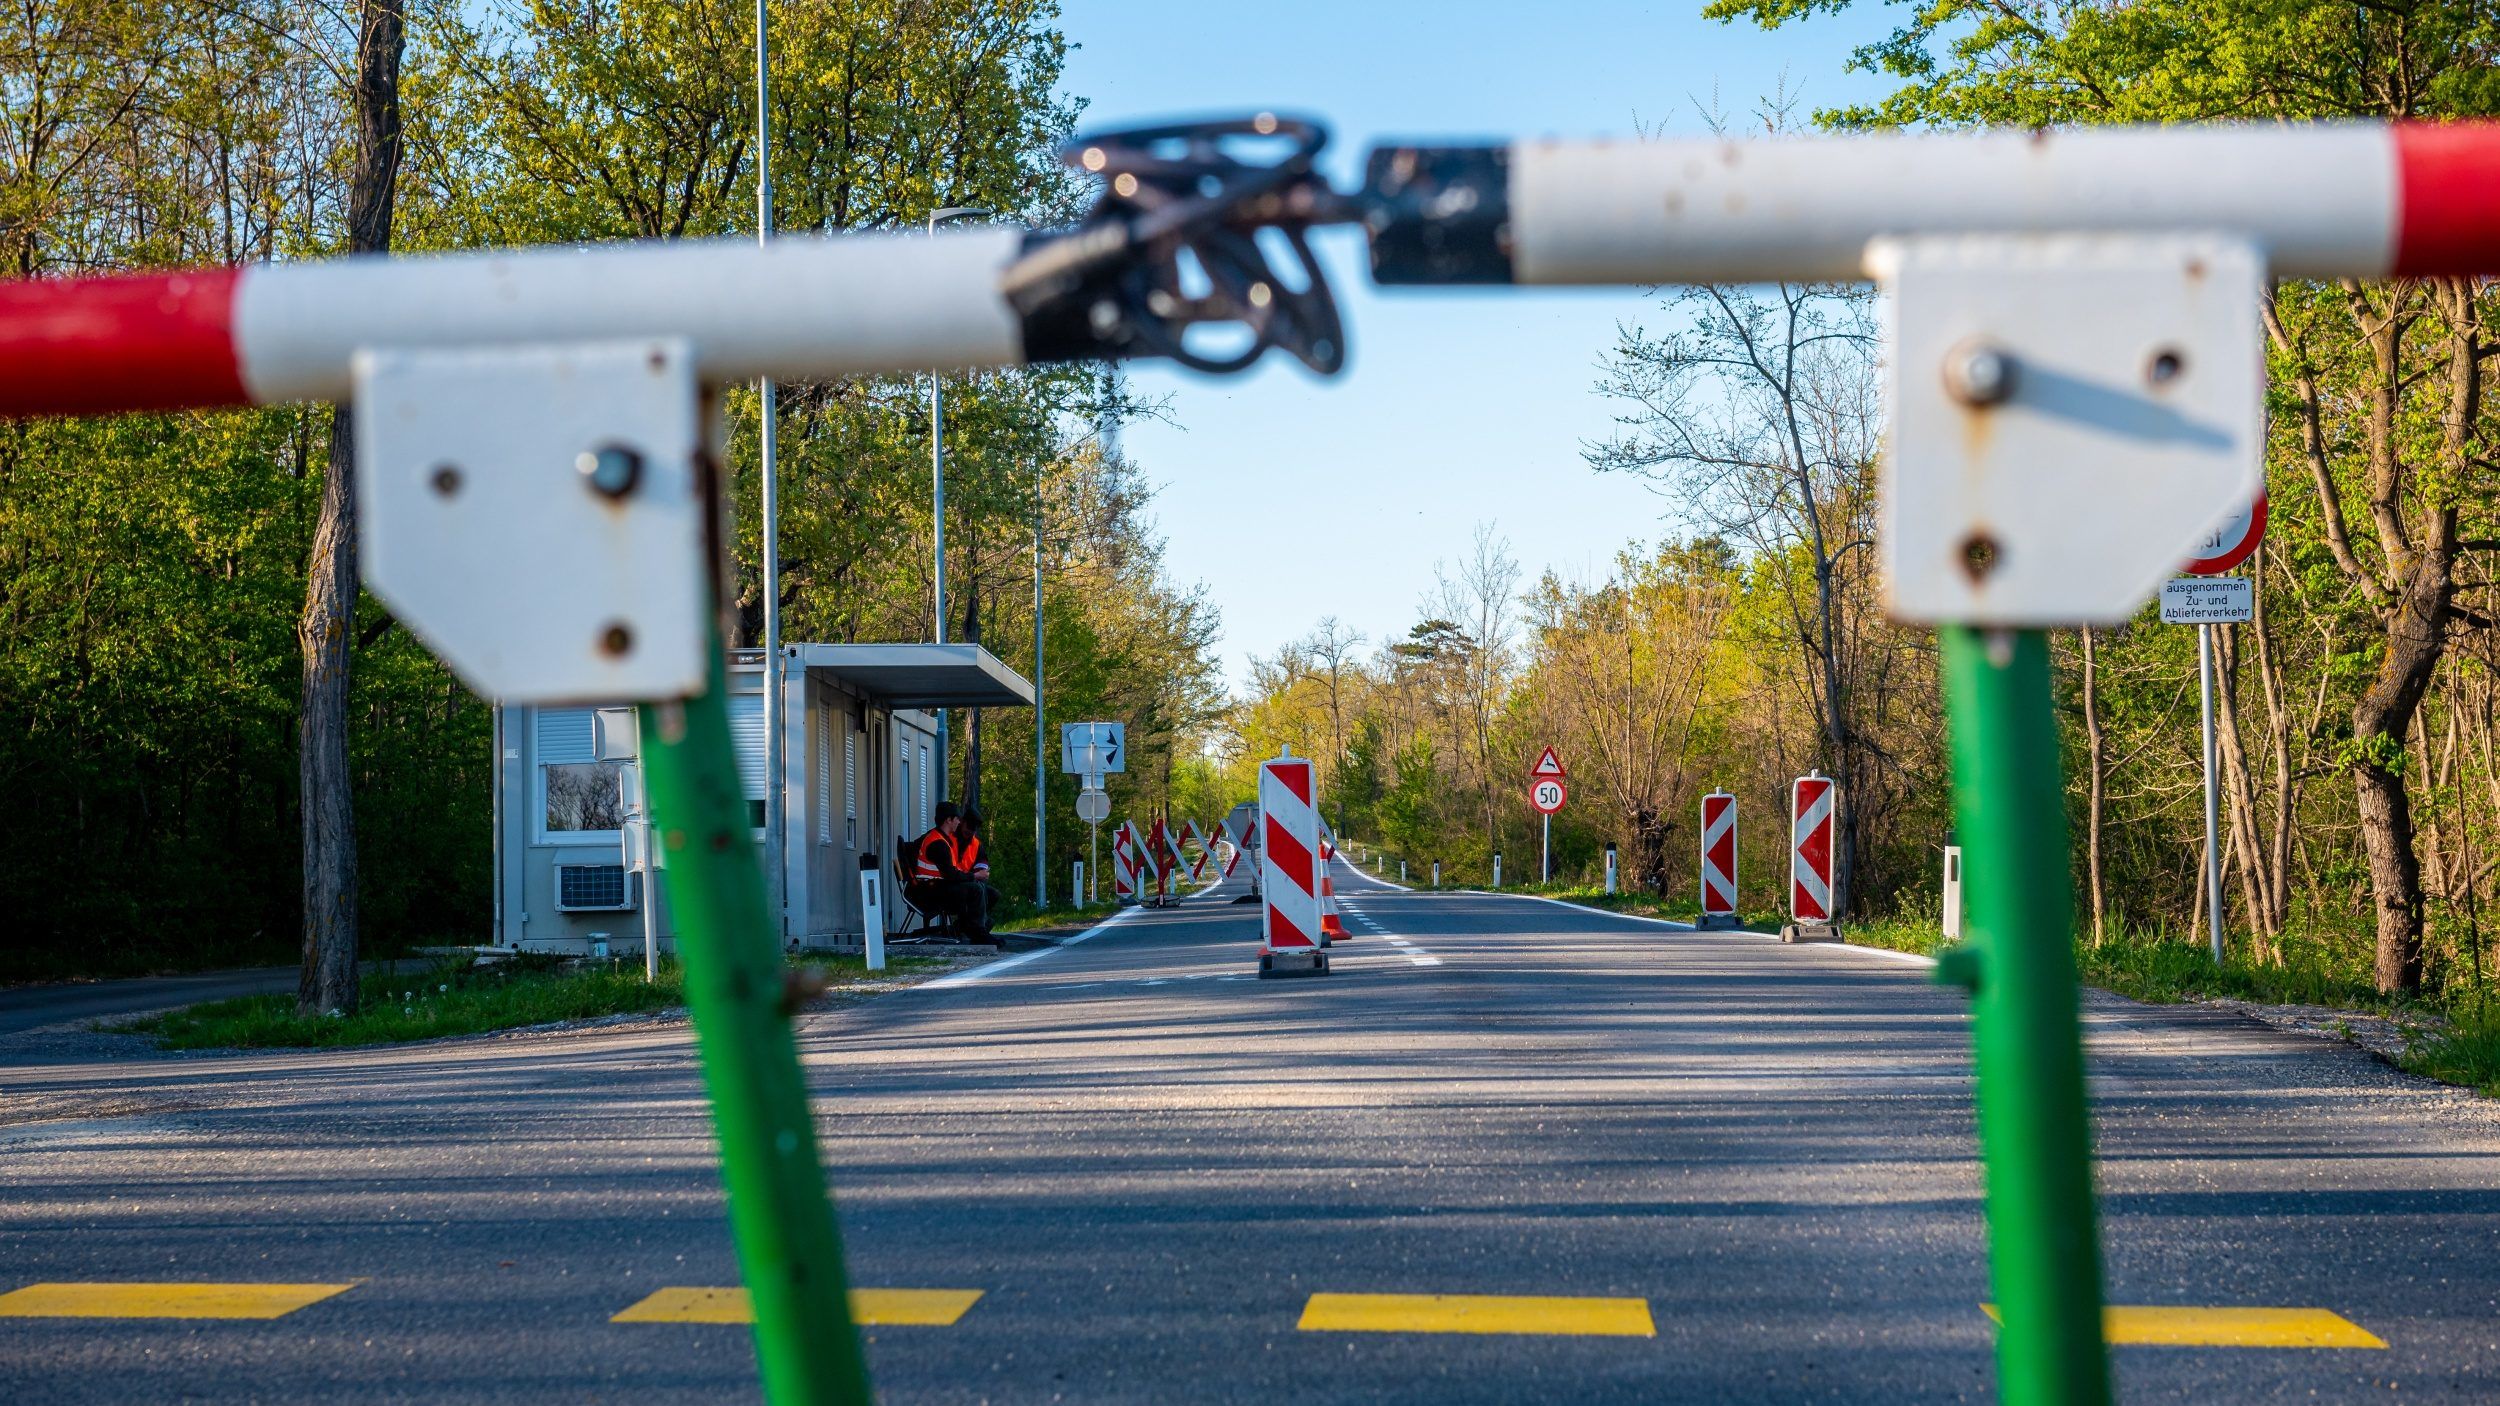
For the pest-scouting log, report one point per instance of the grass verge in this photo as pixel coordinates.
(451, 997)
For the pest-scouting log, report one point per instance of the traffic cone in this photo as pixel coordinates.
(1331, 927)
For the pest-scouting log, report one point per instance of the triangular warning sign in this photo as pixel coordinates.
(1548, 765)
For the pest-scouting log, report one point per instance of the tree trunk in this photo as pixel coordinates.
(326, 630)
(2380, 723)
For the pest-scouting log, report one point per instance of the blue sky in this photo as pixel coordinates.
(1292, 498)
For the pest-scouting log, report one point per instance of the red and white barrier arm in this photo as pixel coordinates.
(800, 308)
(2323, 200)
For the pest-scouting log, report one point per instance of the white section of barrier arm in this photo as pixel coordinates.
(2321, 200)
(795, 309)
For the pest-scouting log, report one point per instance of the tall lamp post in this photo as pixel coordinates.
(768, 400)
(1041, 757)
(937, 483)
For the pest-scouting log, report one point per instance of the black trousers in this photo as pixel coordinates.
(964, 899)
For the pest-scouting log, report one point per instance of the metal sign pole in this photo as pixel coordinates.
(2213, 848)
(1545, 864)
(2044, 1254)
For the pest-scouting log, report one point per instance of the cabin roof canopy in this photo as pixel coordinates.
(918, 675)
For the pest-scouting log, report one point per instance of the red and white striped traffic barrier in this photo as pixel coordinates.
(1718, 860)
(1124, 861)
(1174, 837)
(1289, 846)
(1240, 846)
(1161, 853)
(1812, 801)
(1191, 835)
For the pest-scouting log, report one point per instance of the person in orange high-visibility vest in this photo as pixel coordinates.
(940, 886)
(975, 865)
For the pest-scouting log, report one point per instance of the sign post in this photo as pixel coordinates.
(2206, 603)
(1547, 793)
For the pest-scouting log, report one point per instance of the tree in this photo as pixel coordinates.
(1759, 417)
(327, 629)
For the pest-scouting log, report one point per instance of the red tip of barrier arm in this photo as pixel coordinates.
(89, 346)
(2448, 206)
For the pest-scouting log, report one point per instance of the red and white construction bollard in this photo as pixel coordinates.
(1812, 801)
(1718, 861)
(1289, 878)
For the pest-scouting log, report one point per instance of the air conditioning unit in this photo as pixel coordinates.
(596, 888)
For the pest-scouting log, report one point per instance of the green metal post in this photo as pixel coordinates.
(780, 1213)
(2019, 962)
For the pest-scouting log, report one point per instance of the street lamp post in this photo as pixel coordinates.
(1041, 774)
(937, 488)
(767, 403)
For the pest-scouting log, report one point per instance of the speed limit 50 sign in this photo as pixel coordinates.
(1547, 794)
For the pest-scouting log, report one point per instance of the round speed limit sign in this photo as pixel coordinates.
(1548, 795)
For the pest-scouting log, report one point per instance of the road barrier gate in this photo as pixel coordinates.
(2075, 399)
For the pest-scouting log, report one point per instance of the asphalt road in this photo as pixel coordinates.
(52, 1002)
(1148, 1162)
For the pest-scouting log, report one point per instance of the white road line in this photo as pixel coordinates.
(1911, 957)
(990, 969)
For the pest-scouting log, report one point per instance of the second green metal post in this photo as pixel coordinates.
(780, 1214)
(2019, 960)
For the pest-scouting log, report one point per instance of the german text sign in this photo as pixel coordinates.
(2208, 600)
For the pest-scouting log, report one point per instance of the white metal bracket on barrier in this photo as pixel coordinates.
(2070, 414)
(536, 514)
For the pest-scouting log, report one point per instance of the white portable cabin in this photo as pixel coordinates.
(858, 743)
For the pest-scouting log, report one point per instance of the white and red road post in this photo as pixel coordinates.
(1718, 861)
(1813, 805)
(1289, 877)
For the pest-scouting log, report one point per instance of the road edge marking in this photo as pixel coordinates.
(1895, 955)
(989, 969)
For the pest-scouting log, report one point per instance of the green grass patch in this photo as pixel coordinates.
(2467, 1053)
(1023, 917)
(451, 997)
